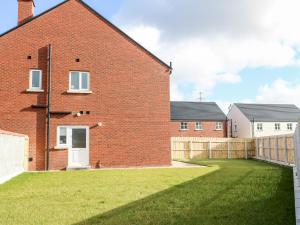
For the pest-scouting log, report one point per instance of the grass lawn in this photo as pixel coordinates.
(224, 193)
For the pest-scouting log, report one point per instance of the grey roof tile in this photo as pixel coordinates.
(193, 111)
(270, 112)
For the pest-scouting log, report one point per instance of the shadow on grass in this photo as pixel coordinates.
(233, 196)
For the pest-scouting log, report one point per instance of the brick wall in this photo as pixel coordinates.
(58, 159)
(130, 89)
(209, 130)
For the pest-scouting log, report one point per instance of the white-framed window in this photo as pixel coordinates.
(79, 81)
(219, 125)
(62, 136)
(35, 80)
(277, 126)
(184, 126)
(198, 126)
(290, 126)
(259, 127)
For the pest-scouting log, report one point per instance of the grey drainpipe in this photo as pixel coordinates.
(49, 105)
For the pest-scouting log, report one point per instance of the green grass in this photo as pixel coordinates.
(224, 193)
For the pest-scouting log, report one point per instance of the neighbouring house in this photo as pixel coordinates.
(197, 119)
(259, 120)
(85, 93)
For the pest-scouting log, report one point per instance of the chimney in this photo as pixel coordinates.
(25, 10)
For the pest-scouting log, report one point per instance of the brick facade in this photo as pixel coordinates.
(130, 89)
(209, 130)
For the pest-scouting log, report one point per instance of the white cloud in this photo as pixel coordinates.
(229, 78)
(176, 95)
(211, 41)
(280, 91)
(148, 36)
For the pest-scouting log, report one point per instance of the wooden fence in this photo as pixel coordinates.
(277, 149)
(212, 148)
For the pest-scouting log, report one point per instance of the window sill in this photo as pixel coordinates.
(198, 129)
(183, 130)
(61, 147)
(34, 91)
(218, 129)
(79, 92)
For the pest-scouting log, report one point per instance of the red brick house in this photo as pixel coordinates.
(85, 93)
(197, 119)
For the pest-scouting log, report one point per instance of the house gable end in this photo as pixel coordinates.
(106, 21)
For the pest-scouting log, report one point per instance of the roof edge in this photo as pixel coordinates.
(169, 67)
(33, 18)
(199, 120)
(192, 102)
(124, 34)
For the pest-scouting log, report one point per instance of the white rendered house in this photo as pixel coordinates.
(259, 120)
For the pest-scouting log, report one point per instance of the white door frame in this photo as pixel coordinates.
(69, 143)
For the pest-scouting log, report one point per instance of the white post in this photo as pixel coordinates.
(228, 149)
(172, 149)
(263, 148)
(285, 150)
(246, 149)
(209, 150)
(297, 148)
(191, 149)
(256, 148)
(276, 149)
(269, 148)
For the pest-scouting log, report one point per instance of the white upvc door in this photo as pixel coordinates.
(78, 143)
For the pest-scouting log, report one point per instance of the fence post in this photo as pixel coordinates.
(26, 153)
(297, 148)
(172, 149)
(269, 148)
(228, 149)
(256, 148)
(209, 149)
(191, 149)
(246, 149)
(276, 149)
(285, 150)
(263, 149)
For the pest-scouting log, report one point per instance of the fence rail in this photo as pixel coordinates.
(212, 148)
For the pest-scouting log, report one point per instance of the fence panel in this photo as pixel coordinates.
(13, 155)
(212, 148)
(278, 149)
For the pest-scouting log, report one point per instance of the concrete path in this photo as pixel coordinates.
(176, 164)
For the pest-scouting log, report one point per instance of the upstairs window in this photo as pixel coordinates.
(259, 127)
(183, 126)
(277, 126)
(219, 126)
(35, 80)
(198, 126)
(290, 126)
(79, 81)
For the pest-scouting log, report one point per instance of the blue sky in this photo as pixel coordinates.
(241, 56)
(9, 10)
